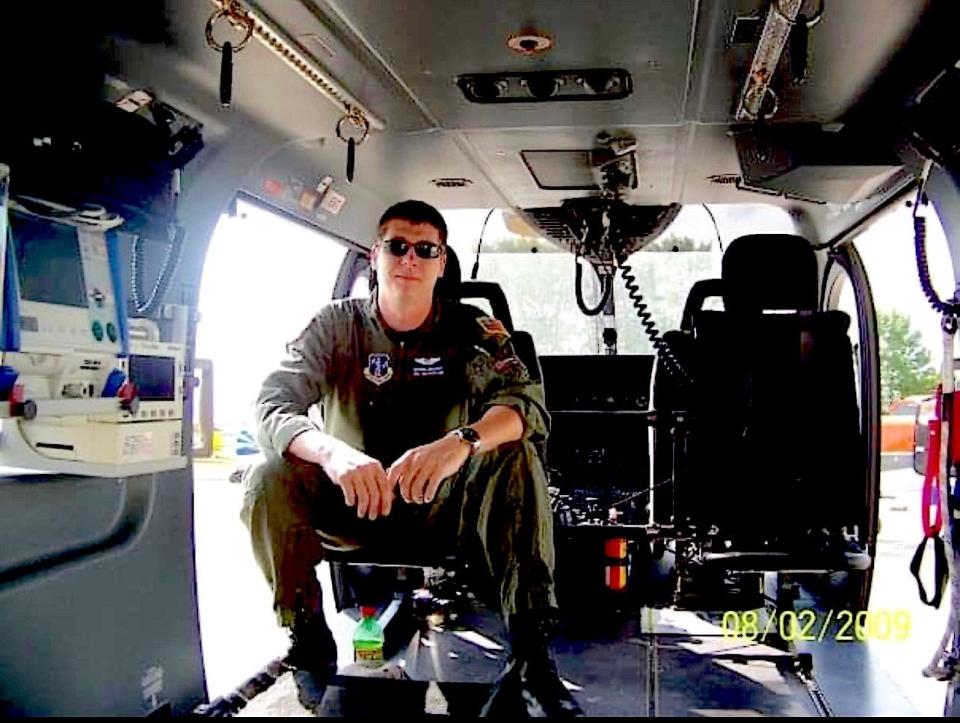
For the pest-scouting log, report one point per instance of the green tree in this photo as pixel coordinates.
(904, 362)
(517, 244)
(678, 243)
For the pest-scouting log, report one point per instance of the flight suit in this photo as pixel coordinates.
(385, 392)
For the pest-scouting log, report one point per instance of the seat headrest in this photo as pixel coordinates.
(769, 271)
(699, 293)
(448, 285)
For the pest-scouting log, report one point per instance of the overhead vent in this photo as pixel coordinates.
(552, 223)
(539, 86)
(451, 182)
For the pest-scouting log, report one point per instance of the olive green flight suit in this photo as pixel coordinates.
(385, 392)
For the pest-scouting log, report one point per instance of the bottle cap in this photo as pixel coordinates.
(367, 611)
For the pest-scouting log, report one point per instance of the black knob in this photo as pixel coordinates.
(29, 409)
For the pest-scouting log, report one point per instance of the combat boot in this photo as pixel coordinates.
(312, 647)
(530, 679)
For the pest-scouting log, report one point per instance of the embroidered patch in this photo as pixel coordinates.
(378, 368)
(492, 327)
(431, 366)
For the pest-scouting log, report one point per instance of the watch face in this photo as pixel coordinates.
(468, 434)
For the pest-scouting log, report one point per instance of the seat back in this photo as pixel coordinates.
(670, 394)
(451, 286)
(775, 439)
(773, 450)
(699, 293)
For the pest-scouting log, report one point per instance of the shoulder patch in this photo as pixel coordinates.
(492, 328)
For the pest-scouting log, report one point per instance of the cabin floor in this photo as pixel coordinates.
(654, 663)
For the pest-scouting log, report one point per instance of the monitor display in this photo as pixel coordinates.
(154, 376)
(48, 259)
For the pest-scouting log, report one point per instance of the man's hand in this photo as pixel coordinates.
(420, 471)
(362, 480)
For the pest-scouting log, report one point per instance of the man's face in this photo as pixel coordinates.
(408, 276)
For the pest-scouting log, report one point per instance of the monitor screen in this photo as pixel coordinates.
(48, 259)
(154, 376)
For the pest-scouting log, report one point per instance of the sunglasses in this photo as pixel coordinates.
(423, 249)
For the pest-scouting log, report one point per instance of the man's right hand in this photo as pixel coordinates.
(362, 479)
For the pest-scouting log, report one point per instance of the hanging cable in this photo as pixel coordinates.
(715, 226)
(606, 286)
(476, 263)
(170, 262)
(664, 350)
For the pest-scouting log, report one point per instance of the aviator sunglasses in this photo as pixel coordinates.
(423, 249)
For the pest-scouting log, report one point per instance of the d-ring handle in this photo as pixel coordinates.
(237, 19)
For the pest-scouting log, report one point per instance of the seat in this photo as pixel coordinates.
(451, 286)
(772, 454)
(670, 394)
(699, 293)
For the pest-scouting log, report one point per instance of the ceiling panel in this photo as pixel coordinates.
(441, 40)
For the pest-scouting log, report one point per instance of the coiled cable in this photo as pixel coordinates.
(664, 350)
(950, 308)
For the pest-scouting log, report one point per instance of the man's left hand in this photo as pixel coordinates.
(420, 471)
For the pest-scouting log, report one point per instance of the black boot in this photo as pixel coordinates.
(530, 679)
(312, 647)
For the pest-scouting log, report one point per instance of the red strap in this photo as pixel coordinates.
(930, 497)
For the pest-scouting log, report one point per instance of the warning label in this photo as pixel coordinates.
(136, 445)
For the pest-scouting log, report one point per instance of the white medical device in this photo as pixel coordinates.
(77, 395)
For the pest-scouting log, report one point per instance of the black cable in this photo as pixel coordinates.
(715, 227)
(648, 490)
(606, 286)
(674, 367)
(476, 263)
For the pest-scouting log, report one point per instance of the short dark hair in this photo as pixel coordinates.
(415, 212)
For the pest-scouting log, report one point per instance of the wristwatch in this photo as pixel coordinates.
(470, 436)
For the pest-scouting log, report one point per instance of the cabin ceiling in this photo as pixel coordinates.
(401, 60)
(686, 73)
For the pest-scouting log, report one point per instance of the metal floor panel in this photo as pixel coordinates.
(612, 673)
(683, 667)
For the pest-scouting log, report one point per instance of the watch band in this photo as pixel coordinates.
(470, 436)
